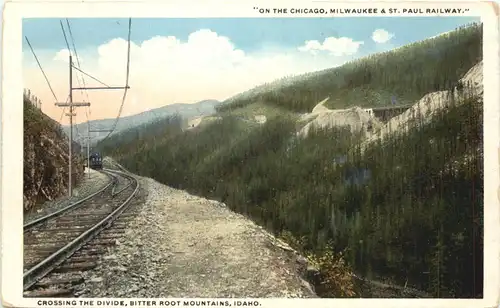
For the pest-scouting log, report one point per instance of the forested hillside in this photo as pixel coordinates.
(400, 76)
(407, 209)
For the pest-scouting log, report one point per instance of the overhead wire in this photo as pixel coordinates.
(126, 80)
(41, 68)
(78, 69)
(71, 66)
(67, 45)
(77, 60)
(64, 109)
(64, 33)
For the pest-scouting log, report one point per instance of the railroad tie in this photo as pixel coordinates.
(75, 267)
(71, 280)
(45, 239)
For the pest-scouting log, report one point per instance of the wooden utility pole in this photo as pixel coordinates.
(70, 114)
(70, 184)
(88, 148)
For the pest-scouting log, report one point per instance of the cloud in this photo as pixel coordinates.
(335, 46)
(166, 70)
(381, 36)
(63, 55)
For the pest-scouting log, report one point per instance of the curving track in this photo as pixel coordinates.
(60, 246)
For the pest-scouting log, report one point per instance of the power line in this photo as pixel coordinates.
(77, 58)
(128, 71)
(71, 64)
(40, 66)
(87, 110)
(69, 103)
(126, 80)
(69, 50)
(72, 41)
(65, 38)
(64, 110)
(78, 69)
(72, 104)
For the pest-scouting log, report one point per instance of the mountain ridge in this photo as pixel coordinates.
(186, 111)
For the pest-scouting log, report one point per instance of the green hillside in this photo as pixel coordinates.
(405, 74)
(407, 210)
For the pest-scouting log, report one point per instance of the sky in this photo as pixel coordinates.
(188, 60)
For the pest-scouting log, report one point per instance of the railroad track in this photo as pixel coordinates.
(59, 247)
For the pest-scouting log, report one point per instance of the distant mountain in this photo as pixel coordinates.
(187, 111)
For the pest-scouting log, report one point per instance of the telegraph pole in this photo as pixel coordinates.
(70, 184)
(88, 148)
(70, 114)
(72, 105)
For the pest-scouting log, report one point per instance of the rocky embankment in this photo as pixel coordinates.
(356, 118)
(181, 245)
(45, 159)
(471, 84)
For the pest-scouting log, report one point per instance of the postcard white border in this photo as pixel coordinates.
(12, 127)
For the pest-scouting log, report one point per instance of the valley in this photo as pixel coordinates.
(392, 198)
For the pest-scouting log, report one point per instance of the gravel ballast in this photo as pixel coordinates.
(181, 245)
(86, 187)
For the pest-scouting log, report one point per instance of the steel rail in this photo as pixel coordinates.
(31, 224)
(125, 173)
(40, 270)
(119, 166)
(121, 190)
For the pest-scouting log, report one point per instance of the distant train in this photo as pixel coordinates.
(95, 161)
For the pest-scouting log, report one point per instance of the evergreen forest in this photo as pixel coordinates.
(406, 210)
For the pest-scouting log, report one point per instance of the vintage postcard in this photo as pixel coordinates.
(298, 154)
